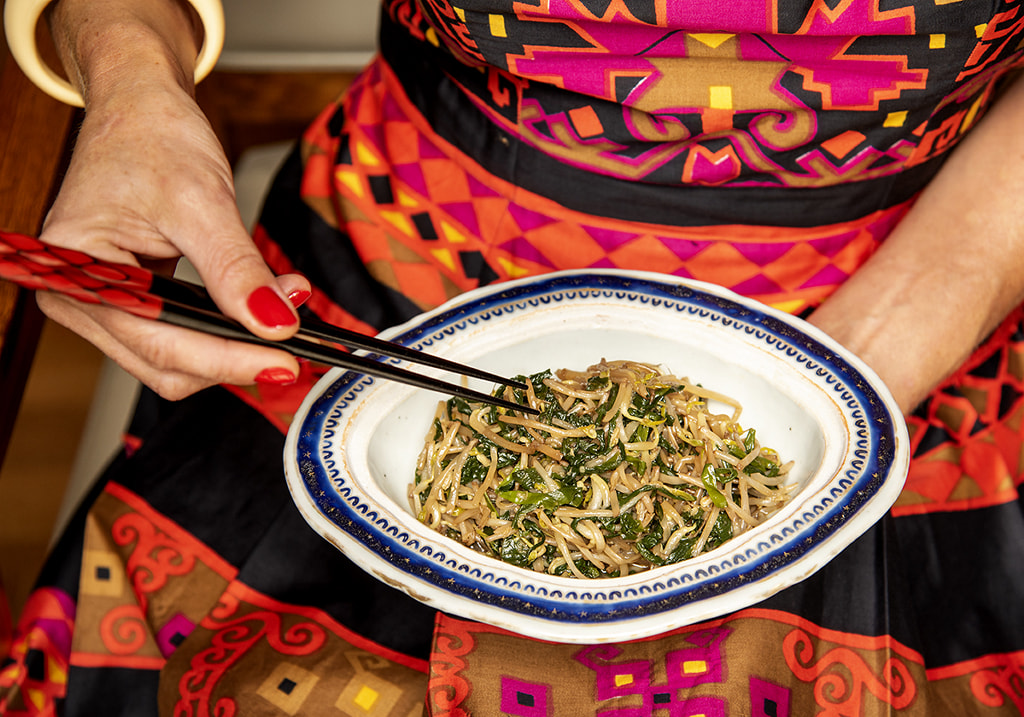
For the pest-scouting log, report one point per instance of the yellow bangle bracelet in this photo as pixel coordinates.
(22, 16)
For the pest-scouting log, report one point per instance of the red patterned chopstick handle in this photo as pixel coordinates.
(30, 263)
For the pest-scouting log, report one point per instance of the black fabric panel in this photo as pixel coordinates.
(965, 587)
(326, 579)
(213, 442)
(120, 691)
(246, 515)
(444, 105)
(929, 581)
(853, 593)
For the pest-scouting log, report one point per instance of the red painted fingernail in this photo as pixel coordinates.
(299, 297)
(276, 376)
(270, 309)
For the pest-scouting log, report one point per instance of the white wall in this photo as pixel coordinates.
(300, 34)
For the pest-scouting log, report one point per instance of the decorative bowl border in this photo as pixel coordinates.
(572, 610)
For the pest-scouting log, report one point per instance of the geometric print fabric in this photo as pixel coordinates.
(967, 438)
(776, 93)
(152, 598)
(757, 661)
(429, 224)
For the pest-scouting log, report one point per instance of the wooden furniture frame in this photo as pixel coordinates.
(34, 137)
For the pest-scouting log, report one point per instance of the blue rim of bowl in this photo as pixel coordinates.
(873, 457)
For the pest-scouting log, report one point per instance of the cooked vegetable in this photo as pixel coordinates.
(625, 469)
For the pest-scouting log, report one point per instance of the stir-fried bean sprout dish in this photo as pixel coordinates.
(624, 470)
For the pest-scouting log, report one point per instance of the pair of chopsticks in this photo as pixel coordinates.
(30, 263)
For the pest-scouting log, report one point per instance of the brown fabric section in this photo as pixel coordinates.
(258, 657)
(138, 576)
(756, 662)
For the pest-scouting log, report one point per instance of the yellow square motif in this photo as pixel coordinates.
(366, 698)
(368, 694)
(695, 667)
(720, 97)
(621, 680)
(936, 41)
(497, 23)
(895, 119)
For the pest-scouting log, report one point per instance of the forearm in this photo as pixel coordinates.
(109, 46)
(950, 271)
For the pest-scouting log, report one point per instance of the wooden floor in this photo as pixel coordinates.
(42, 453)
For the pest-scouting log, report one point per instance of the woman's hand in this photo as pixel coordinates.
(148, 183)
(949, 272)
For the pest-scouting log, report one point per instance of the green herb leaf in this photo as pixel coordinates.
(721, 532)
(564, 495)
(472, 470)
(708, 477)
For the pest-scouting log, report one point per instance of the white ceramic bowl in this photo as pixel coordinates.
(352, 449)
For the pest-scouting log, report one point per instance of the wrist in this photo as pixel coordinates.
(127, 57)
(187, 27)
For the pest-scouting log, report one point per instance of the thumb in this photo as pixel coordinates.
(245, 289)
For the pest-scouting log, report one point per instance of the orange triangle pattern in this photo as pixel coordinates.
(968, 437)
(431, 223)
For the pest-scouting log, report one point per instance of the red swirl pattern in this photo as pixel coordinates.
(124, 630)
(155, 556)
(996, 686)
(841, 675)
(236, 633)
(447, 689)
